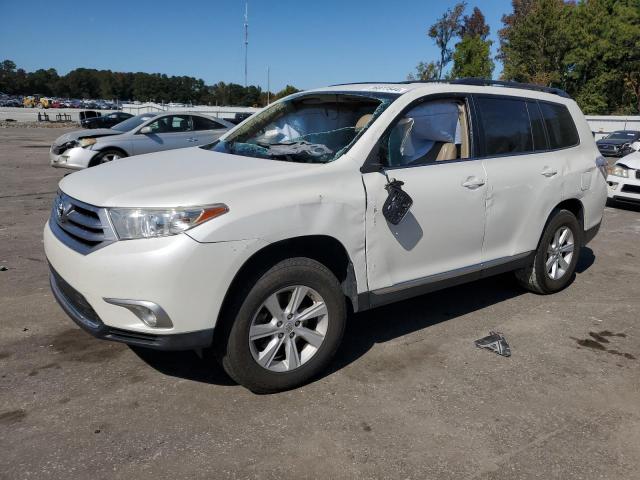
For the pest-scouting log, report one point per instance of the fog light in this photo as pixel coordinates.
(613, 185)
(150, 313)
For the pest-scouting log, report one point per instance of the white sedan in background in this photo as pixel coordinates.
(624, 180)
(145, 133)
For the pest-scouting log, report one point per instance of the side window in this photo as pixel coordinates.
(505, 126)
(560, 127)
(537, 127)
(429, 132)
(171, 124)
(201, 123)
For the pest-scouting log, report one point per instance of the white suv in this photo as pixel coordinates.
(338, 199)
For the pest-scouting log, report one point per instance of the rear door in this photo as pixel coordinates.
(524, 177)
(167, 132)
(205, 130)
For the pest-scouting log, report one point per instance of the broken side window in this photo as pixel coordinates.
(431, 131)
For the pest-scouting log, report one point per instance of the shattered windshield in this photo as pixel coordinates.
(307, 128)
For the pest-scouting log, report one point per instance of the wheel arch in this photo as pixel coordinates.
(323, 248)
(574, 206)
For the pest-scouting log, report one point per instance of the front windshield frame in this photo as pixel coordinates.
(264, 118)
(133, 122)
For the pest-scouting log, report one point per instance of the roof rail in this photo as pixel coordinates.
(501, 83)
(479, 82)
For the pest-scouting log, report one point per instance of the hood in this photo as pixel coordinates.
(184, 177)
(632, 160)
(613, 141)
(86, 133)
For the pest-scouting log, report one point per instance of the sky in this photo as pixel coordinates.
(307, 44)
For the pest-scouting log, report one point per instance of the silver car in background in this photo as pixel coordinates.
(144, 133)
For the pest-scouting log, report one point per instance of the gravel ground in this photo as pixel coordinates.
(409, 396)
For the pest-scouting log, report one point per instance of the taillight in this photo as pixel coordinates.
(602, 165)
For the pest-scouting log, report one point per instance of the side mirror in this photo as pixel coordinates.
(397, 204)
(145, 130)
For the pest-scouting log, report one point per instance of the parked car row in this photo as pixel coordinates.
(42, 101)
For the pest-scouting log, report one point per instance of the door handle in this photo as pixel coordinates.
(548, 172)
(472, 183)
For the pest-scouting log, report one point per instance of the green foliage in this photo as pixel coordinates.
(425, 71)
(472, 55)
(472, 58)
(90, 83)
(444, 30)
(590, 48)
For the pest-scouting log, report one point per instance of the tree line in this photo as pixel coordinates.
(589, 48)
(84, 83)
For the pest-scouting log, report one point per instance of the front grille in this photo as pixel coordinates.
(58, 149)
(76, 301)
(631, 188)
(638, 174)
(80, 226)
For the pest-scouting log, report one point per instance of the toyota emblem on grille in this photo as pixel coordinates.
(62, 210)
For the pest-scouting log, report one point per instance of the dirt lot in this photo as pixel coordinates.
(409, 396)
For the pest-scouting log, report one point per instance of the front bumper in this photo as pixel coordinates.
(74, 158)
(188, 279)
(79, 310)
(624, 189)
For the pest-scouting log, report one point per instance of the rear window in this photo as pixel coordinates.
(201, 123)
(561, 130)
(537, 126)
(505, 126)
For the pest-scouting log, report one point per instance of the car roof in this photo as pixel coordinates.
(471, 85)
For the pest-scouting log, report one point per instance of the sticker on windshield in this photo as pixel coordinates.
(388, 89)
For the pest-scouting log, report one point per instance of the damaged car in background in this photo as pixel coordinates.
(624, 181)
(144, 133)
(619, 143)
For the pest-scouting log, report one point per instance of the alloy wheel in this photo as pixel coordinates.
(560, 252)
(109, 157)
(288, 328)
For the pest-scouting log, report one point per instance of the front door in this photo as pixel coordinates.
(428, 149)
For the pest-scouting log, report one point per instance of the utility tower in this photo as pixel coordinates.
(246, 40)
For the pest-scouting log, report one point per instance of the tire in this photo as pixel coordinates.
(537, 277)
(107, 156)
(267, 364)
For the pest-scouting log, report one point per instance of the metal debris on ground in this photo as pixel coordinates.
(495, 342)
(3, 268)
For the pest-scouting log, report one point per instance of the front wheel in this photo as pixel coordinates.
(287, 327)
(555, 261)
(107, 156)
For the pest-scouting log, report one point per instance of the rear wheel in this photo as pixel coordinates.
(286, 327)
(555, 262)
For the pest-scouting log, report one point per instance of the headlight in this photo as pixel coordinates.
(131, 223)
(86, 142)
(619, 171)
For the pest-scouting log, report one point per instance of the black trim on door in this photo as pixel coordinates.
(396, 293)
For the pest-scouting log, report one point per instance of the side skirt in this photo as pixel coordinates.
(432, 283)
